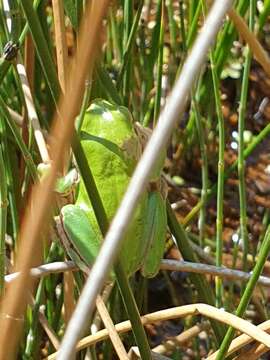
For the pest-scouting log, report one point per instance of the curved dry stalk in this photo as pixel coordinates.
(178, 312)
(15, 300)
(182, 338)
(256, 48)
(32, 114)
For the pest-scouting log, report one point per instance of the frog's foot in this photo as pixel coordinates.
(81, 238)
(155, 234)
(66, 185)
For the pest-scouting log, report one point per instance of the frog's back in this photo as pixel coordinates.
(112, 148)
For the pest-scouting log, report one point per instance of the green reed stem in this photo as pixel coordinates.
(250, 148)
(129, 45)
(172, 27)
(159, 67)
(205, 181)
(262, 257)
(220, 184)
(3, 217)
(241, 146)
(203, 287)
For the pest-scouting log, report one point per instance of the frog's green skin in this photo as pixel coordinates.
(113, 148)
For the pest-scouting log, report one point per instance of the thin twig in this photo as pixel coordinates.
(174, 265)
(46, 269)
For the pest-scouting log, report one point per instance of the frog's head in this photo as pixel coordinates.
(109, 111)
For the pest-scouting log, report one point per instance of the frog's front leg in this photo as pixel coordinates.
(82, 243)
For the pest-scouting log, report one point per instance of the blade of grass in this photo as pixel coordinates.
(204, 160)
(130, 43)
(220, 184)
(108, 85)
(241, 144)
(42, 49)
(248, 151)
(3, 216)
(127, 24)
(159, 66)
(204, 290)
(262, 257)
(172, 28)
(226, 38)
(264, 14)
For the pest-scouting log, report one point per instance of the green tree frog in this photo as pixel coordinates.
(113, 146)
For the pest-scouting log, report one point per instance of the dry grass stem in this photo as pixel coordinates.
(47, 328)
(62, 61)
(243, 340)
(181, 339)
(113, 334)
(29, 60)
(37, 214)
(60, 42)
(32, 114)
